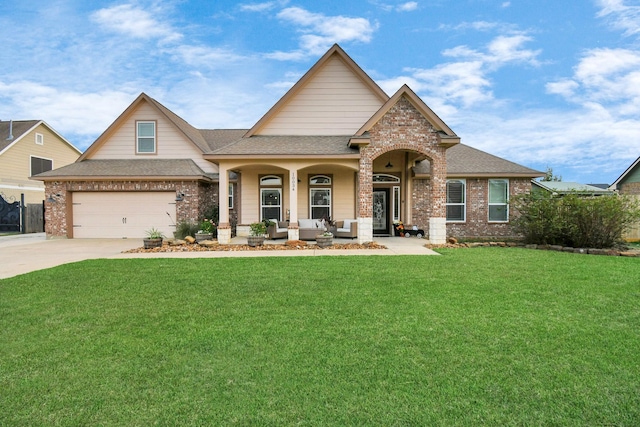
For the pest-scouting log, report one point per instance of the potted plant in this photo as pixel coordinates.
(153, 239)
(325, 239)
(207, 227)
(257, 234)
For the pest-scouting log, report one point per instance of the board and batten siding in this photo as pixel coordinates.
(170, 142)
(334, 102)
(15, 163)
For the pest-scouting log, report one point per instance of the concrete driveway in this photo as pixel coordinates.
(24, 253)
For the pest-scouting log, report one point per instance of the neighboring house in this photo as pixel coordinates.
(334, 145)
(629, 183)
(563, 188)
(29, 147)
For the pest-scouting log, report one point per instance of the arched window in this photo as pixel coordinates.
(271, 197)
(385, 178)
(320, 196)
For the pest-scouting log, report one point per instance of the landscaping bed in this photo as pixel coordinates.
(212, 245)
(629, 251)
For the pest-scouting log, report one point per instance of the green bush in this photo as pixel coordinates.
(573, 220)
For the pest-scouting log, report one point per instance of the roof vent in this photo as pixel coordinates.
(10, 130)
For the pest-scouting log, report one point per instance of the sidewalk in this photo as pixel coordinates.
(23, 253)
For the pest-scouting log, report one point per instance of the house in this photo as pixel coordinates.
(565, 187)
(335, 145)
(629, 183)
(29, 147)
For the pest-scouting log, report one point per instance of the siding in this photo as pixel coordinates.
(334, 102)
(15, 163)
(170, 142)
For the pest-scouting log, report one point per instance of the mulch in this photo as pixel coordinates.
(290, 245)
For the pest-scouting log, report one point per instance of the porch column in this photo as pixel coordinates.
(365, 201)
(438, 220)
(294, 231)
(224, 227)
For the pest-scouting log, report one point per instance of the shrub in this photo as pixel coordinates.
(186, 228)
(573, 220)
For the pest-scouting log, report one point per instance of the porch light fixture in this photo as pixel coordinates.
(389, 165)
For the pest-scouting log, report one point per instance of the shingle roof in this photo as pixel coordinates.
(218, 138)
(192, 133)
(288, 145)
(463, 160)
(19, 127)
(119, 168)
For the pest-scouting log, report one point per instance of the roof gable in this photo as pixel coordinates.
(20, 129)
(630, 172)
(333, 98)
(446, 135)
(189, 132)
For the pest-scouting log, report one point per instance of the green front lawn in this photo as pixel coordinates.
(486, 336)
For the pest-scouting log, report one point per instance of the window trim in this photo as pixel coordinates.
(463, 204)
(505, 203)
(324, 186)
(276, 186)
(230, 196)
(39, 138)
(31, 157)
(155, 136)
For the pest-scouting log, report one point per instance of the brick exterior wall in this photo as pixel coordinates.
(403, 128)
(630, 188)
(477, 224)
(198, 197)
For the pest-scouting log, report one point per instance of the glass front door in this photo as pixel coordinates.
(381, 211)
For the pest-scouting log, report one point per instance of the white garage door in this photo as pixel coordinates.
(122, 215)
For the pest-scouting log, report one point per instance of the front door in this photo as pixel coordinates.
(381, 211)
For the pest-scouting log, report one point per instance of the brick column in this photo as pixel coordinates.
(365, 201)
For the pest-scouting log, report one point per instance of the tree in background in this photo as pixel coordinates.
(549, 176)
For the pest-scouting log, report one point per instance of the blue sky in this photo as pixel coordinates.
(542, 83)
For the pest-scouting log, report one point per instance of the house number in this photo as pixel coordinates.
(293, 181)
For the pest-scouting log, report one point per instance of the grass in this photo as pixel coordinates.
(486, 336)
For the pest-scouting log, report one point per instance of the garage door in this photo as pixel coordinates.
(122, 215)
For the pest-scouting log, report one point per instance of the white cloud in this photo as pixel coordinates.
(320, 31)
(134, 22)
(257, 7)
(408, 6)
(501, 50)
(505, 4)
(620, 16)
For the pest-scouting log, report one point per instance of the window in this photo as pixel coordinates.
(39, 165)
(39, 139)
(271, 197)
(456, 207)
(396, 204)
(230, 196)
(499, 200)
(320, 196)
(146, 137)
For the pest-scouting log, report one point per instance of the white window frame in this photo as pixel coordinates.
(230, 196)
(327, 185)
(39, 138)
(154, 137)
(395, 201)
(270, 183)
(38, 157)
(505, 203)
(464, 200)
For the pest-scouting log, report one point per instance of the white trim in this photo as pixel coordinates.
(20, 187)
(489, 204)
(230, 196)
(37, 134)
(40, 122)
(463, 204)
(31, 156)
(155, 136)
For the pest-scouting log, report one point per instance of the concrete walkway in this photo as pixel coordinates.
(23, 253)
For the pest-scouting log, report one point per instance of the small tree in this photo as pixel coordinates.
(549, 176)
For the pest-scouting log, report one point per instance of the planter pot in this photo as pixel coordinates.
(324, 241)
(203, 236)
(152, 243)
(255, 240)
